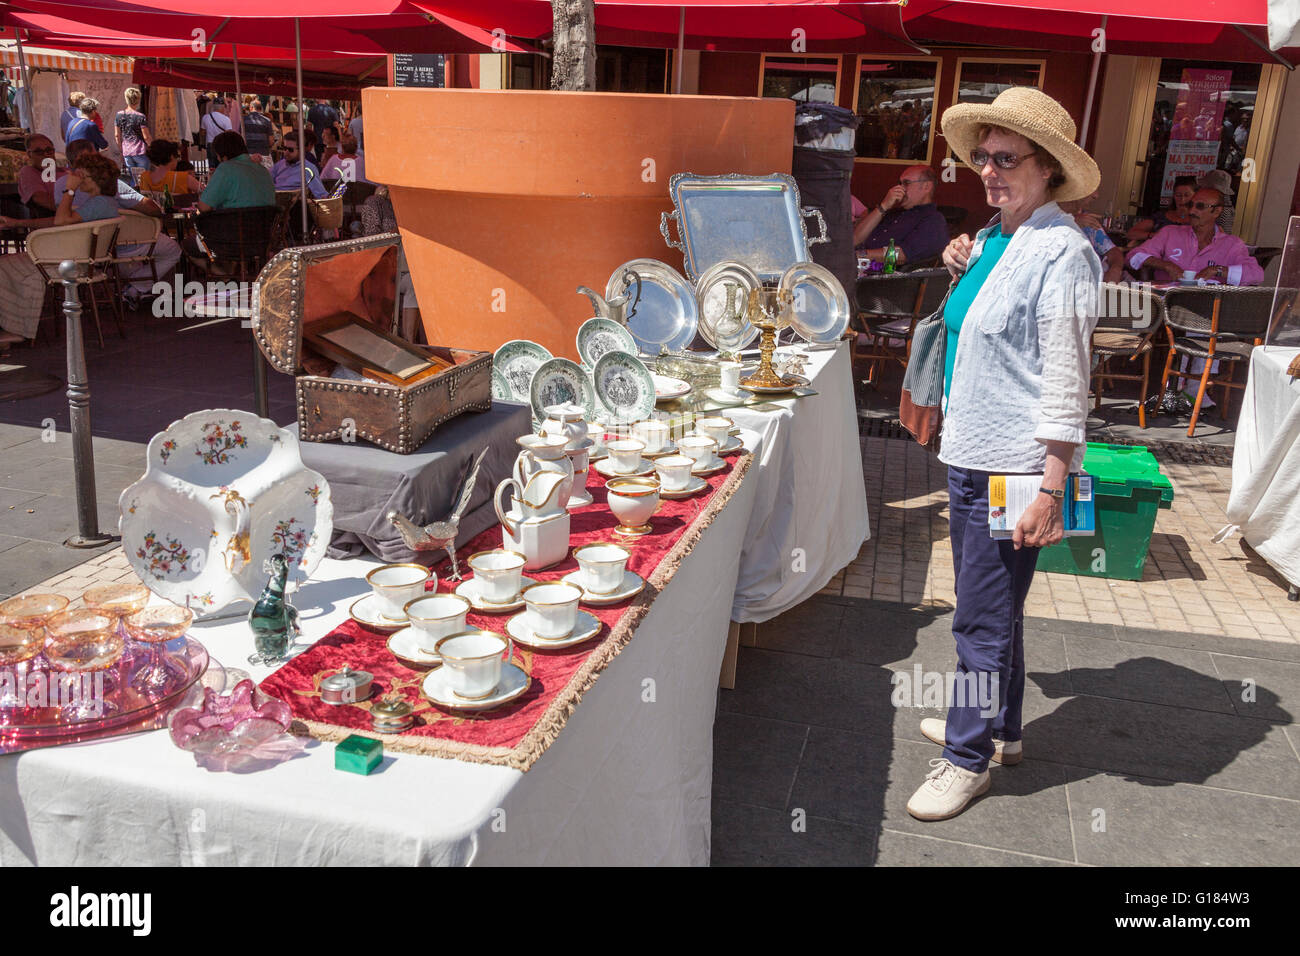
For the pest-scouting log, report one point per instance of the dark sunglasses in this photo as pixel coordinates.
(979, 159)
(1202, 206)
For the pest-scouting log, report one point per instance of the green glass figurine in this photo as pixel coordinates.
(273, 619)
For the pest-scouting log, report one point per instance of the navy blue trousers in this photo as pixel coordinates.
(992, 581)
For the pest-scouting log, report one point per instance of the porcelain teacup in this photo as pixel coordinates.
(625, 453)
(698, 448)
(499, 574)
(716, 427)
(730, 376)
(603, 566)
(472, 662)
(396, 585)
(674, 472)
(552, 609)
(436, 616)
(654, 433)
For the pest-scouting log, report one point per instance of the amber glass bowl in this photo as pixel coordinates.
(119, 600)
(31, 610)
(82, 640)
(18, 644)
(156, 625)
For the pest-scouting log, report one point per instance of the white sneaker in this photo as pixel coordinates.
(1005, 752)
(947, 791)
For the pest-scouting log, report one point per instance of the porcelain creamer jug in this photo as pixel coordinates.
(537, 524)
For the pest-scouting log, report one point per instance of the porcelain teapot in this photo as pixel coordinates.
(542, 453)
(617, 308)
(537, 524)
(568, 420)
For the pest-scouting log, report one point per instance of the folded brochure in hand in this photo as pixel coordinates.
(1010, 495)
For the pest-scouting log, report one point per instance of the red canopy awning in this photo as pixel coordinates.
(1190, 29)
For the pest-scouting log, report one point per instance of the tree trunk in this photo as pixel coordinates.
(573, 63)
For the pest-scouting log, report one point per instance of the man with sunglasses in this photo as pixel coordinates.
(906, 215)
(36, 179)
(1200, 247)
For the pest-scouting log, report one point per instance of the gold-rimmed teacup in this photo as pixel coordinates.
(396, 585)
(603, 567)
(499, 573)
(472, 661)
(551, 609)
(435, 616)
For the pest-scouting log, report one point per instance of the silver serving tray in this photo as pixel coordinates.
(755, 220)
(666, 317)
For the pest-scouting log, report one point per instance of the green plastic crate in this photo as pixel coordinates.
(1128, 489)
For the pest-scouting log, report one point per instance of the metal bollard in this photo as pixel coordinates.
(83, 453)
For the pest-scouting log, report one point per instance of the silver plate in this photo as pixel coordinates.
(711, 291)
(820, 312)
(756, 220)
(667, 315)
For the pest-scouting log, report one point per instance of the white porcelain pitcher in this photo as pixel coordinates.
(543, 453)
(537, 524)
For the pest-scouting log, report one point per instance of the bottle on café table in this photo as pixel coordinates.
(169, 205)
(891, 258)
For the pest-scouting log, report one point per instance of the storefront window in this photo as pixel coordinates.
(1201, 121)
(805, 79)
(980, 81)
(895, 100)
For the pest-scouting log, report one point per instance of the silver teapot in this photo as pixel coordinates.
(617, 308)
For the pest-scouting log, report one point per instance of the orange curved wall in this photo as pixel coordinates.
(508, 200)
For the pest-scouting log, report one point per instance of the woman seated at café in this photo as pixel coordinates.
(22, 287)
(164, 155)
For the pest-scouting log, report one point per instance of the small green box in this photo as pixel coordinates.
(358, 754)
(1129, 489)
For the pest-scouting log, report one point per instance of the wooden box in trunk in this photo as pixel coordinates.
(319, 308)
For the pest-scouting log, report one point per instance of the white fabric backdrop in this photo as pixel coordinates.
(1265, 498)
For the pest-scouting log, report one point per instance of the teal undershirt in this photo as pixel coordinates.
(959, 303)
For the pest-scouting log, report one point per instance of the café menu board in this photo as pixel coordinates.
(419, 69)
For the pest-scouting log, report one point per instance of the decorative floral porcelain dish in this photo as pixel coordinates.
(223, 490)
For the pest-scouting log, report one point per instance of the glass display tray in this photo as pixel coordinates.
(27, 728)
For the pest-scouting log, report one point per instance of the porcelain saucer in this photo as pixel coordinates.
(670, 448)
(709, 467)
(725, 396)
(606, 468)
(405, 646)
(693, 487)
(732, 444)
(469, 590)
(366, 613)
(631, 586)
(587, 627)
(514, 683)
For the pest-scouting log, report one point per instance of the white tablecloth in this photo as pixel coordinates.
(628, 780)
(1265, 499)
(810, 513)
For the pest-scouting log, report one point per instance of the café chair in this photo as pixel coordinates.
(139, 233)
(1116, 336)
(954, 216)
(1265, 254)
(1222, 323)
(889, 306)
(90, 246)
(238, 241)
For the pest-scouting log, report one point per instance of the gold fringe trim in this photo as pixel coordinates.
(547, 728)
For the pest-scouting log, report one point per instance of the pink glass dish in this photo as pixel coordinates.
(35, 726)
(31, 610)
(151, 628)
(233, 731)
(118, 600)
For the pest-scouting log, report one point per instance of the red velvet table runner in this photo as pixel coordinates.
(517, 733)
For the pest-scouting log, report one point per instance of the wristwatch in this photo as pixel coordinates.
(1057, 493)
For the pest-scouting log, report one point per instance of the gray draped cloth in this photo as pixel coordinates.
(366, 482)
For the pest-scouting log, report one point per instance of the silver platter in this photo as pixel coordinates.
(667, 315)
(820, 310)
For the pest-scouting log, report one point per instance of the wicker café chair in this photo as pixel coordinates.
(139, 230)
(1223, 323)
(889, 308)
(90, 246)
(1130, 316)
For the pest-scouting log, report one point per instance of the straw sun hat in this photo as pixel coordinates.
(1033, 114)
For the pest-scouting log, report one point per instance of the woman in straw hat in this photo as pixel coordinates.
(1019, 321)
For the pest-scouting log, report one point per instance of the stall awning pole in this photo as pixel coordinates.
(239, 93)
(302, 126)
(681, 47)
(1092, 87)
(27, 79)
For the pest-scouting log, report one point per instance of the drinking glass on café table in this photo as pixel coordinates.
(154, 627)
(78, 643)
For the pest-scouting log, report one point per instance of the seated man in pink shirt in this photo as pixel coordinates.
(1200, 246)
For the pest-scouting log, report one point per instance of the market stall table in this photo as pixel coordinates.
(1265, 499)
(627, 780)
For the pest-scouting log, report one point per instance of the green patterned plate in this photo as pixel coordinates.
(624, 388)
(517, 361)
(558, 381)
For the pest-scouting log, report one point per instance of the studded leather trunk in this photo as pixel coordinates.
(308, 286)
